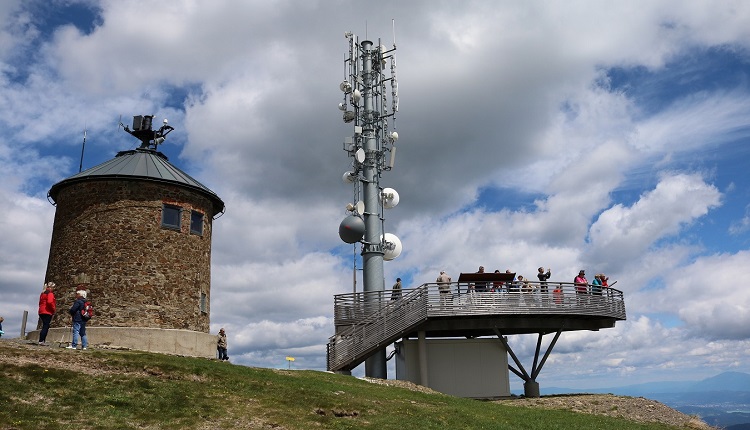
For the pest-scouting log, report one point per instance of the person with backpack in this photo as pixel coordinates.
(79, 322)
(47, 308)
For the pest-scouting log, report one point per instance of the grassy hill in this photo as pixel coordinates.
(55, 388)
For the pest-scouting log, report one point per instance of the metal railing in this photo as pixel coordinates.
(367, 321)
(376, 321)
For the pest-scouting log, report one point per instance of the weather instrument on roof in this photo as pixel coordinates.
(142, 130)
(369, 105)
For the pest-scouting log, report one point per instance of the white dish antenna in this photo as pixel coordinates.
(349, 177)
(360, 156)
(391, 246)
(389, 198)
(360, 206)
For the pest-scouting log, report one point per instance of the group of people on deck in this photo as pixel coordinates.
(519, 284)
(597, 286)
(524, 285)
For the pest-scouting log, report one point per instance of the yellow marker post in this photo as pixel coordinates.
(289, 360)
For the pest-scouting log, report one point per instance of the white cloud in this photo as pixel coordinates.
(594, 179)
(626, 233)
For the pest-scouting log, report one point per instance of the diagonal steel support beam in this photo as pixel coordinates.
(535, 370)
(531, 387)
(522, 372)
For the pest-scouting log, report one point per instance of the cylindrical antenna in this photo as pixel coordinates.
(83, 147)
(393, 25)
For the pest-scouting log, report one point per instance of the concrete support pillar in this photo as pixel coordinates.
(23, 323)
(531, 388)
(424, 377)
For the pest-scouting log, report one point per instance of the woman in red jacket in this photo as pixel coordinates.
(47, 307)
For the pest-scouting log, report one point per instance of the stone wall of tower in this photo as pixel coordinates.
(108, 235)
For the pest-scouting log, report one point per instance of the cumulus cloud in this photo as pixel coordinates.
(625, 233)
(579, 172)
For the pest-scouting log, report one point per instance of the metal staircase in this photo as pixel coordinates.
(375, 322)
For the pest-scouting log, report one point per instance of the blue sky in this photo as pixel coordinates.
(609, 137)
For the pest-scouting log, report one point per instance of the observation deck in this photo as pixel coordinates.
(368, 321)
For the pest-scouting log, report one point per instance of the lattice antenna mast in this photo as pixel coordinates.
(368, 105)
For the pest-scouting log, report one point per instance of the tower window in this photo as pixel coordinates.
(170, 216)
(196, 223)
(204, 308)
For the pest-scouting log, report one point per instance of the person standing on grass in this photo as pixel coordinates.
(221, 345)
(79, 324)
(47, 308)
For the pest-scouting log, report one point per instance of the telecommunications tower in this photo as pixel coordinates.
(370, 101)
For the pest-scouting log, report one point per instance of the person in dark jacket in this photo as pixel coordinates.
(79, 325)
(47, 308)
(543, 276)
(396, 290)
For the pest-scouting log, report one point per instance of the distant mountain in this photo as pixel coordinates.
(727, 381)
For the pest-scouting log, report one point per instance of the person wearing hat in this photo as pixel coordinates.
(79, 325)
(581, 284)
(47, 308)
(221, 345)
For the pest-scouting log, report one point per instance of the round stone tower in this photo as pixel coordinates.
(135, 231)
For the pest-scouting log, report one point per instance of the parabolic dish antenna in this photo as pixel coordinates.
(351, 229)
(349, 177)
(391, 246)
(360, 207)
(389, 197)
(360, 156)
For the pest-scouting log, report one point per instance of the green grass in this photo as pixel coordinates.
(153, 391)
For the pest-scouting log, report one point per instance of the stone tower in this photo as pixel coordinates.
(136, 232)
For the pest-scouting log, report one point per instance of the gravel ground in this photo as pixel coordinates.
(638, 409)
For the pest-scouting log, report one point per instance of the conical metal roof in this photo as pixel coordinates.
(142, 164)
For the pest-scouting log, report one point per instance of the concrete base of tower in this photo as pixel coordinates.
(165, 341)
